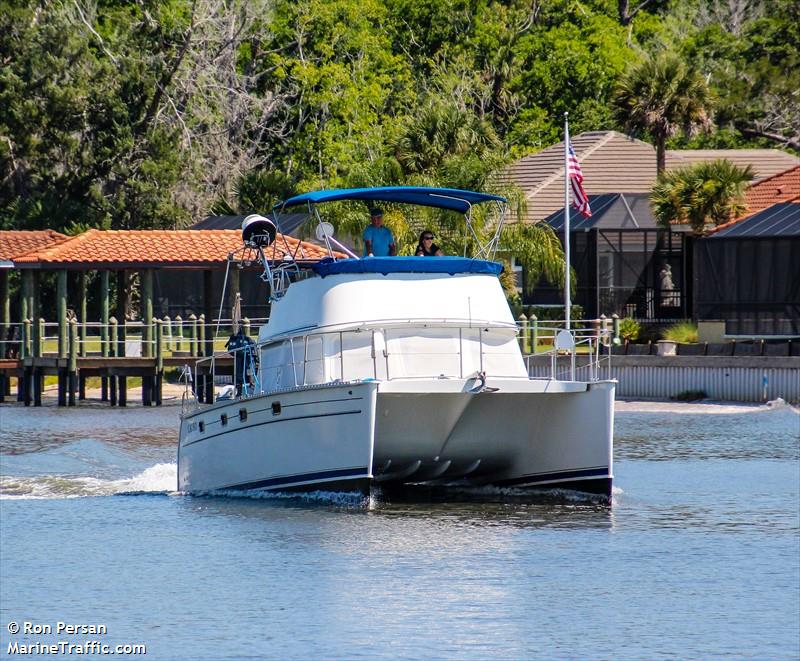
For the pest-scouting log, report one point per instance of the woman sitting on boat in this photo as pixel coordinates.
(426, 247)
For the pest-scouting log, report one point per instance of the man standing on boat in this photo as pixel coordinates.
(378, 240)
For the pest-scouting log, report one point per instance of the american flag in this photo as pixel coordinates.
(580, 200)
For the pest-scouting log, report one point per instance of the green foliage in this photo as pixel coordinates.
(629, 329)
(706, 193)
(663, 95)
(256, 191)
(684, 332)
(135, 115)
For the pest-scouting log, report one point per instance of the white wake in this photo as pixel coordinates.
(160, 478)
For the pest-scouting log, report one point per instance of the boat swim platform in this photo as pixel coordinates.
(113, 371)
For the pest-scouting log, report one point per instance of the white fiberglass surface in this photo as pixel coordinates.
(392, 353)
(354, 299)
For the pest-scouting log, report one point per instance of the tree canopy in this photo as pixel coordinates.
(701, 195)
(151, 114)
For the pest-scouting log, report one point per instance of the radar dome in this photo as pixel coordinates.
(258, 230)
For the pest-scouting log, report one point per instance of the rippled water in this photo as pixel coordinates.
(698, 556)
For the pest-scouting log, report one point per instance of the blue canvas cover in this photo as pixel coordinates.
(440, 198)
(386, 265)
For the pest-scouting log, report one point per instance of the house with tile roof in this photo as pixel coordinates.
(619, 253)
(616, 163)
(747, 271)
(611, 163)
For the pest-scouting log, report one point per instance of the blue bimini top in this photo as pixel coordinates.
(386, 265)
(441, 198)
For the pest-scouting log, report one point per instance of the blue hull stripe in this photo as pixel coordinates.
(301, 477)
(601, 471)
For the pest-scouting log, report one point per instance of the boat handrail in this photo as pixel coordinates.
(390, 323)
(587, 342)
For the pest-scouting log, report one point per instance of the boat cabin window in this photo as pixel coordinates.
(391, 353)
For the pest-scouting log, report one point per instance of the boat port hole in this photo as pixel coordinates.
(202, 426)
(276, 408)
(223, 419)
(242, 414)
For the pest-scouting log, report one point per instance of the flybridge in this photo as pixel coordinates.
(259, 232)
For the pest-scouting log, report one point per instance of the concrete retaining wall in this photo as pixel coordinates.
(742, 379)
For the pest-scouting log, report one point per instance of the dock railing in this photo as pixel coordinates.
(188, 337)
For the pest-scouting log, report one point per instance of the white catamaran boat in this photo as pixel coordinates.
(391, 371)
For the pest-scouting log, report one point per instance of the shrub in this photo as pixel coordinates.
(629, 329)
(683, 331)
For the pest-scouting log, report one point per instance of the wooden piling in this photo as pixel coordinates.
(61, 307)
(37, 376)
(159, 359)
(192, 335)
(112, 351)
(41, 335)
(147, 312)
(27, 385)
(523, 333)
(104, 330)
(73, 361)
(178, 333)
(25, 346)
(38, 386)
(82, 312)
(62, 386)
(5, 315)
(202, 346)
(167, 332)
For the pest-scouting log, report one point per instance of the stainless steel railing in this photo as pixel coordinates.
(372, 358)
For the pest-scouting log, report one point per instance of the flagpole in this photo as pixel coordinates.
(567, 302)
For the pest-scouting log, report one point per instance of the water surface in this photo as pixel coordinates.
(698, 556)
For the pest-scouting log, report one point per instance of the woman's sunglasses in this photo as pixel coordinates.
(427, 238)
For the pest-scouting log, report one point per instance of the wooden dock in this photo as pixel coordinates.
(114, 372)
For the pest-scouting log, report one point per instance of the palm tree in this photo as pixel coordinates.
(663, 95)
(256, 191)
(702, 194)
(439, 131)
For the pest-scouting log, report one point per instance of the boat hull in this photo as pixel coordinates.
(316, 438)
(508, 433)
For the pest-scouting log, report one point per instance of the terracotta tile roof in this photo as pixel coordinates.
(155, 248)
(781, 187)
(765, 162)
(18, 242)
